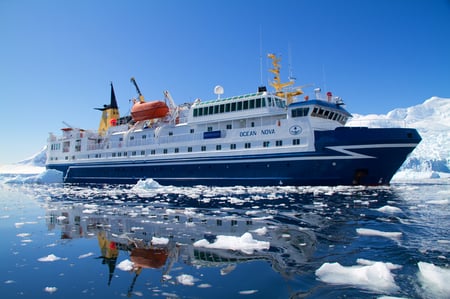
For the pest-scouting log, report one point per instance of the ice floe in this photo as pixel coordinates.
(369, 275)
(49, 258)
(377, 233)
(50, 289)
(125, 265)
(49, 176)
(435, 280)
(186, 279)
(389, 209)
(245, 243)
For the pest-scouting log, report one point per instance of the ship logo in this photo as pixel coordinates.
(295, 130)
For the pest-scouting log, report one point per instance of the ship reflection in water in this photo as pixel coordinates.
(138, 238)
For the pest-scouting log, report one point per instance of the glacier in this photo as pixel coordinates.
(431, 158)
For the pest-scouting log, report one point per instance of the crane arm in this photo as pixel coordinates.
(141, 97)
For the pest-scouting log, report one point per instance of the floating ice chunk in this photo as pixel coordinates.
(23, 235)
(439, 202)
(373, 232)
(260, 231)
(48, 176)
(160, 241)
(245, 243)
(50, 289)
(204, 285)
(389, 209)
(248, 292)
(147, 184)
(435, 280)
(186, 279)
(49, 258)
(126, 265)
(228, 269)
(375, 277)
(86, 255)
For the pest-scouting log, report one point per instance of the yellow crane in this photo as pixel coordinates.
(280, 87)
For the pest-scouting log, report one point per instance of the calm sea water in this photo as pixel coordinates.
(62, 241)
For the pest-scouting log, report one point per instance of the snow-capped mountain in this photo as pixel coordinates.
(432, 120)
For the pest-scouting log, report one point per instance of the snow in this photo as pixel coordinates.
(245, 243)
(368, 275)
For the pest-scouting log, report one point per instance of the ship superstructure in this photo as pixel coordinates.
(260, 138)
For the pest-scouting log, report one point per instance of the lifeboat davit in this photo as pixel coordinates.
(149, 110)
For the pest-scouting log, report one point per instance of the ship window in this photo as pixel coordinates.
(125, 154)
(326, 113)
(195, 112)
(132, 138)
(252, 124)
(295, 141)
(165, 151)
(218, 147)
(152, 152)
(189, 149)
(299, 112)
(203, 148)
(170, 133)
(335, 116)
(142, 153)
(263, 102)
(192, 131)
(266, 143)
(229, 126)
(239, 106)
(144, 136)
(233, 106)
(200, 111)
(222, 108)
(121, 139)
(216, 109)
(331, 115)
(247, 145)
(176, 150)
(227, 107)
(258, 103)
(133, 153)
(269, 102)
(252, 104)
(211, 110)
(113, 154)
(233, 146)
(205, 110)
(279, 143)
(118, 155)
(210, 129)
(245, 105)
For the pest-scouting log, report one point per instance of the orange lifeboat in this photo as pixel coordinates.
(149, 110)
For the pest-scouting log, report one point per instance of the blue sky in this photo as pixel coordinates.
(57, 58)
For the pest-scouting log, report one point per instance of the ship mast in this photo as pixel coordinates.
(278, 85)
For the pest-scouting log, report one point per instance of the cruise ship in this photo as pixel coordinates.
(262, 138)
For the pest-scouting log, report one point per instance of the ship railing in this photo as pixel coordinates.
(377, 122)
